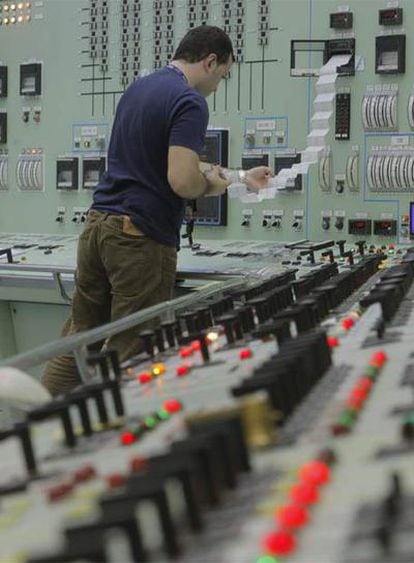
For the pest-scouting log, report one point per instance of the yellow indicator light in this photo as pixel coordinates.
(20, 19)
(212, 336)
(12, 19)
(20, 5)
(12, 6)
(6, 7)
(6, 21)
(158, 369)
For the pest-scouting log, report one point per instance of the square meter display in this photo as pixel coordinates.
(212, 211)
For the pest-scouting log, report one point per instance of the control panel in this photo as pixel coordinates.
(273, 404)
(333, 116)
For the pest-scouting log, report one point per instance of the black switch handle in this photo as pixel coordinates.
(8, 253)
(341, 245)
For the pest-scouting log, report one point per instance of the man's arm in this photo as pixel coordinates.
(188, 180)
(255, 178)
(184, 174)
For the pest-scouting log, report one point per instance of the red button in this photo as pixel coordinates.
(348, 323)
(84, 474)
(279, 543)
(365, 383)
(245, 354)
(172, 405)
(58, 492)
(358, 395)
(315, 473)
(292, 516)
(137, 464)
(115, 480)
(354, 403)
(332, 341)
(145, 377)
(195, 345)
(185, 352)
(304, 494)
(182, 370)
(379, 358)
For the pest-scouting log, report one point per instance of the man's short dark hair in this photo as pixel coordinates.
(201, 41)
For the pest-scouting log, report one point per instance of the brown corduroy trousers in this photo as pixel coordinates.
(119, 272)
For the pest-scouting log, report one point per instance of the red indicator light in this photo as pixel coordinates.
(315, 473)
(128, 438)
(347, 323)
(145, 377)
(304, 494)
(245, 354)
(292, 516)
(185, 352)
(182, 370)
(279, 543)
(172, 405)
(378, 359)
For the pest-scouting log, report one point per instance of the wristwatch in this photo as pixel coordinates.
(242, 176)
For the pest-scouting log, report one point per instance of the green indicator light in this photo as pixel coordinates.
(345, 419)
(150, 421)
(138, 430)
(409, 419)
(351, 413)
(390, 252)
(163, 414)
(267, 559)
(372, 371)
(341, 259)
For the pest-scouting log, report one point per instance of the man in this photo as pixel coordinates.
(127, 251)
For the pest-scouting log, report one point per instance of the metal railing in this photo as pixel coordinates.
(77, 343)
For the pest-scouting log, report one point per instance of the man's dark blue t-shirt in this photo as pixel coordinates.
(157, 111)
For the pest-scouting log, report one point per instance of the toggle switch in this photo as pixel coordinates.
(206, 453)
(149, 489)
(231, 326)
(56, 408)
(168, 329)
(147, 337)
(78, 397)
(341, 245)
(21, 431)
(96, 392)
(361, 247)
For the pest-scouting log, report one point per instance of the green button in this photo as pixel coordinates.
(267, 559)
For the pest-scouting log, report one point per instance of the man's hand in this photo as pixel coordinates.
(257, 178)
(216, 182)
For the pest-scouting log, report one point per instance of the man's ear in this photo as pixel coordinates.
(210, 61)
